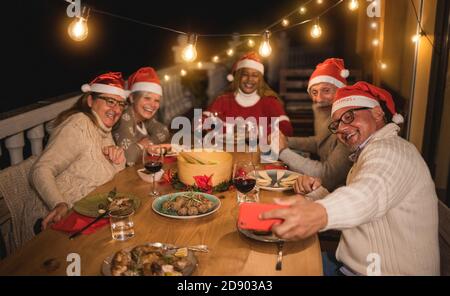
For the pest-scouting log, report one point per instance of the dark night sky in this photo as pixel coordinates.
(52, 64)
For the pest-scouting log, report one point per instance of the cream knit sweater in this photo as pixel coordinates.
(389, 208)
(73, 164)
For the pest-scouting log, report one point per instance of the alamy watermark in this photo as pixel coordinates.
(374, 267)
(74, 8)
(374, 8)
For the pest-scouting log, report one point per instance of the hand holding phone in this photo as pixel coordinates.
(249, 216)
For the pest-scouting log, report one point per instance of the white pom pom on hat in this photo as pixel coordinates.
(85, 88)
(230, 77)
(345, 73)
(398, 118)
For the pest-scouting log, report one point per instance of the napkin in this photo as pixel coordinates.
(75, 222)
(275, 167)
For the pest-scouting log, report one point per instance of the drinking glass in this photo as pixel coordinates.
(244, 179)
(122, 225)
(153, 161)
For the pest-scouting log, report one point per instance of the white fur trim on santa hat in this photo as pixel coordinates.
(325, 78)
(147, 86)
(354, 101)
(104, 89)
(247, 63)
(345, 73)
(283, 118)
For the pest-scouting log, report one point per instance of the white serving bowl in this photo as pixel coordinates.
(149, 177)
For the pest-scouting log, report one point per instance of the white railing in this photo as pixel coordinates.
(33, 124)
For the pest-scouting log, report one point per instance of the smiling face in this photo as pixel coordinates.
(145, 105)
(107, 108)
(323, 93)
(249, 81)
(365, 123)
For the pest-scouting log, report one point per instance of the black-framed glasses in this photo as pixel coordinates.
(346, 118)
(110, 102)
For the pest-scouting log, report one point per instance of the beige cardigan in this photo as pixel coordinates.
(389, 208)
(72, 164)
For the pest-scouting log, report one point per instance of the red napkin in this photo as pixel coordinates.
(75, 222)
(275, 167)
(170, 159)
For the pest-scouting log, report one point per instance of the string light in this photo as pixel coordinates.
(416, 37)
(199, 65)
(78, 28)
(166, 77)
(374, 25)
(183, 72)
(250, 43)
(265, 49)
(230, 52)
(353, 5)
(215, 59)
(383, 66)
(302, 10)
(319, 1)
(285, 22)
(189, 53)
(316, 30)
(376, 42)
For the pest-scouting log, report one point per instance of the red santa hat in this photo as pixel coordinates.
(363, 94)
(249, 60)
(108, 83)
(332, 71)
(145, 79)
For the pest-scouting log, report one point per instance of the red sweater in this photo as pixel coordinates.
(266, 107)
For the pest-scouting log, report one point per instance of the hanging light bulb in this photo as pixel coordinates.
(166, 77)
(416, 37)
(374, 25)
(265, 49)
(353, 5)
(215, 59)
(230, 52)
(183, 72)
(383, 65)
(319, 1)
(302, 10)
(250, 43)
(199, 65)
(189, 53)
(316, 30)
(376, 42)
(285, 22)
(78, 29)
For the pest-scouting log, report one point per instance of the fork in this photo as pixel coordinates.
(280, 256)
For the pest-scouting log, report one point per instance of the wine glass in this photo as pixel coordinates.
(153, 158)
(244, 179)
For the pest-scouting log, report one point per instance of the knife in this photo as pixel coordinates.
(111, 194)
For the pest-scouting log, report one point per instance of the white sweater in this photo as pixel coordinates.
(389, 208)
(73, 164)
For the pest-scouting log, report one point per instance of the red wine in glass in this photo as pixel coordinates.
(153, 166)
(244, 185)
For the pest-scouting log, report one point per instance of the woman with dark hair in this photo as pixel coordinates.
(81, 154)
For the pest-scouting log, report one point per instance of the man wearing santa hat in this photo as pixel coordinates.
(388, 210)
(81, 154)
(251, 96)
(138, 128)
(333, 164)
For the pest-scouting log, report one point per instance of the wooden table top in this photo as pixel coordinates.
(231, 253)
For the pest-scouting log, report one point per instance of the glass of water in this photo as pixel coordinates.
(122, 225)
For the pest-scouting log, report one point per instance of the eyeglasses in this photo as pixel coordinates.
(110, 102)
(346, 118)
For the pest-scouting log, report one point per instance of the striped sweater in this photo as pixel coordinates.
(387, 208)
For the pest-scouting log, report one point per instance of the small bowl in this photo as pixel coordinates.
(149, 177)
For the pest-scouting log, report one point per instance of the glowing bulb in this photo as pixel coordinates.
(230, 52)
(302, 10)
(250, 43)
(415, 38)
(353, 5)
(199, 65)
(78, 29)
(183, 72)
(383, 66)
(375, 42)
(215, 59)
(189, 53)
(316, 31)
(319, 1)
(166, 77)
(373, 25)
(285, 22)
(265, 49)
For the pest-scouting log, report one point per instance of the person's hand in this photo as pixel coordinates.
(115, 154)
(55, 215)
(306, 184)
(302, 218)
(145, 142)
(158, 148)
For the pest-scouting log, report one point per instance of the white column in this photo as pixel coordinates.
(36, 136)
(15, 145)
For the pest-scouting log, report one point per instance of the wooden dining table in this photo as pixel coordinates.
(230, 252)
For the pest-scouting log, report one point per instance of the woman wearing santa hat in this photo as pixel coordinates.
(81, 154)
(333, 164)
(388, 210)
(138, 128)
(251, 96)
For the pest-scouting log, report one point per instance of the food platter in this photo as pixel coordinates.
(161, 205)
(276, 180)
(90, 205)
(150, 259)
